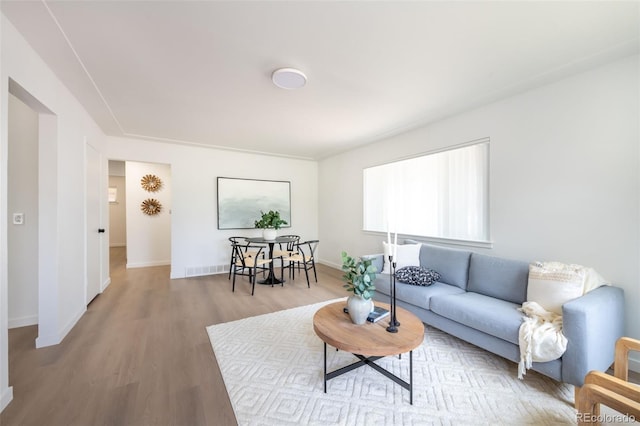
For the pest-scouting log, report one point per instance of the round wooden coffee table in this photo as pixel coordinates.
(369, 341)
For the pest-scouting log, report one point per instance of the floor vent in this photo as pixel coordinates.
(198, 271)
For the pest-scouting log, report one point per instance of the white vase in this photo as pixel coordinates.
(269, 234)
(359, 308)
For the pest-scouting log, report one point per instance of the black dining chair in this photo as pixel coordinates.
(249, 261)
(302, 258)
(287, 247)
(236, 241)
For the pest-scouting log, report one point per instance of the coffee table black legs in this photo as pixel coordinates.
(370, 362)
(325, 367)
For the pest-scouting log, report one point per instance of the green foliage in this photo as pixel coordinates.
(358, 275)
(271, 219)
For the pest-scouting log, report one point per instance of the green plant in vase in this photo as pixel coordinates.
(270, 222)
(359, 276)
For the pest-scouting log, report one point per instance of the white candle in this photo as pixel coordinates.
(395, 246)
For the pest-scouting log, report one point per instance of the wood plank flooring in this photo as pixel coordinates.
(141, 355)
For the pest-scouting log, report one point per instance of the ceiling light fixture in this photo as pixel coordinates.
(289, 78)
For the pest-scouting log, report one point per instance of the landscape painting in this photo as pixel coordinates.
(240, 201)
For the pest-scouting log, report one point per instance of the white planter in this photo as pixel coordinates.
(269, 234)
(359, 308)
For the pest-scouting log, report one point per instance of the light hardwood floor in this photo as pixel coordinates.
(140, 355)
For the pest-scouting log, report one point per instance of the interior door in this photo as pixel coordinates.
(94, 230)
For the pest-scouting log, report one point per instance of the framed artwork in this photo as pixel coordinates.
(240, 201)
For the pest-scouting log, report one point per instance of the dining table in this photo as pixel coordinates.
(271, 278)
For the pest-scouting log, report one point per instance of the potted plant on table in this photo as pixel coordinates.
(359, 276)
(270, 222)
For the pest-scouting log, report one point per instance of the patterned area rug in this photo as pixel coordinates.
(272, 368)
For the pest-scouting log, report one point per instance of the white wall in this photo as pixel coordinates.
(23, 198)
(148, 237)
(6, 392)
(61, 189)
(118, 213)
(195, 240)
(564, 178)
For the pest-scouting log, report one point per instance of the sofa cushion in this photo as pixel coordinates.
(417, 275)
(451, 264)
(414, 295)
(493, 316)
(497, 277)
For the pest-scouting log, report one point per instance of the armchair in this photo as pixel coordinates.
(613, 391)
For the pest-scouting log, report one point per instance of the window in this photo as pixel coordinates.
(443, 194)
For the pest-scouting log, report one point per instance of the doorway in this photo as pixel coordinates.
(43, 250)
(117, 210)
(94, 230)
(23, 214)
(146, 238)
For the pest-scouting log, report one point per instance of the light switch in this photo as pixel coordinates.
(18, 218)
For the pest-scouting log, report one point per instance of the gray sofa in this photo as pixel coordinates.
(476, 300)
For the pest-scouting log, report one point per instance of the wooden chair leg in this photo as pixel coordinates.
(588, 409)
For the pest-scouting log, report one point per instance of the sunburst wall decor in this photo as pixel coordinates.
(151, 183)
(151, 206)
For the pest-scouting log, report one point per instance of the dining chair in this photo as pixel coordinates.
(302, 258)
(249, 261)
(288, 247)
(236, 241)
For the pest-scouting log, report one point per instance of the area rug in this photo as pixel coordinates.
(272, 367)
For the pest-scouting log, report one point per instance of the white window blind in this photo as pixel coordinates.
(443, 195)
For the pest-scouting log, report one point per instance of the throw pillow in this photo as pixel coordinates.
(417, 275)
(552, 284)
(593, 280)
(406, 255)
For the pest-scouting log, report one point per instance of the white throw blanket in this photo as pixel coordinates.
(540, 336)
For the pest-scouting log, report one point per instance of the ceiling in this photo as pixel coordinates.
(200, 72)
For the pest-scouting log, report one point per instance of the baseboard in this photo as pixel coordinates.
(6, 398)
(54, 339)
(330, 264)
(176, 275)
(105, 284)
(148, 264)
(23, 321)
(50, 340)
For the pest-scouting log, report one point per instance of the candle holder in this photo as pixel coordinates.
(393, 322)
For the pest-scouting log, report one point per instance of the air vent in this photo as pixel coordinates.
(198, 271)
